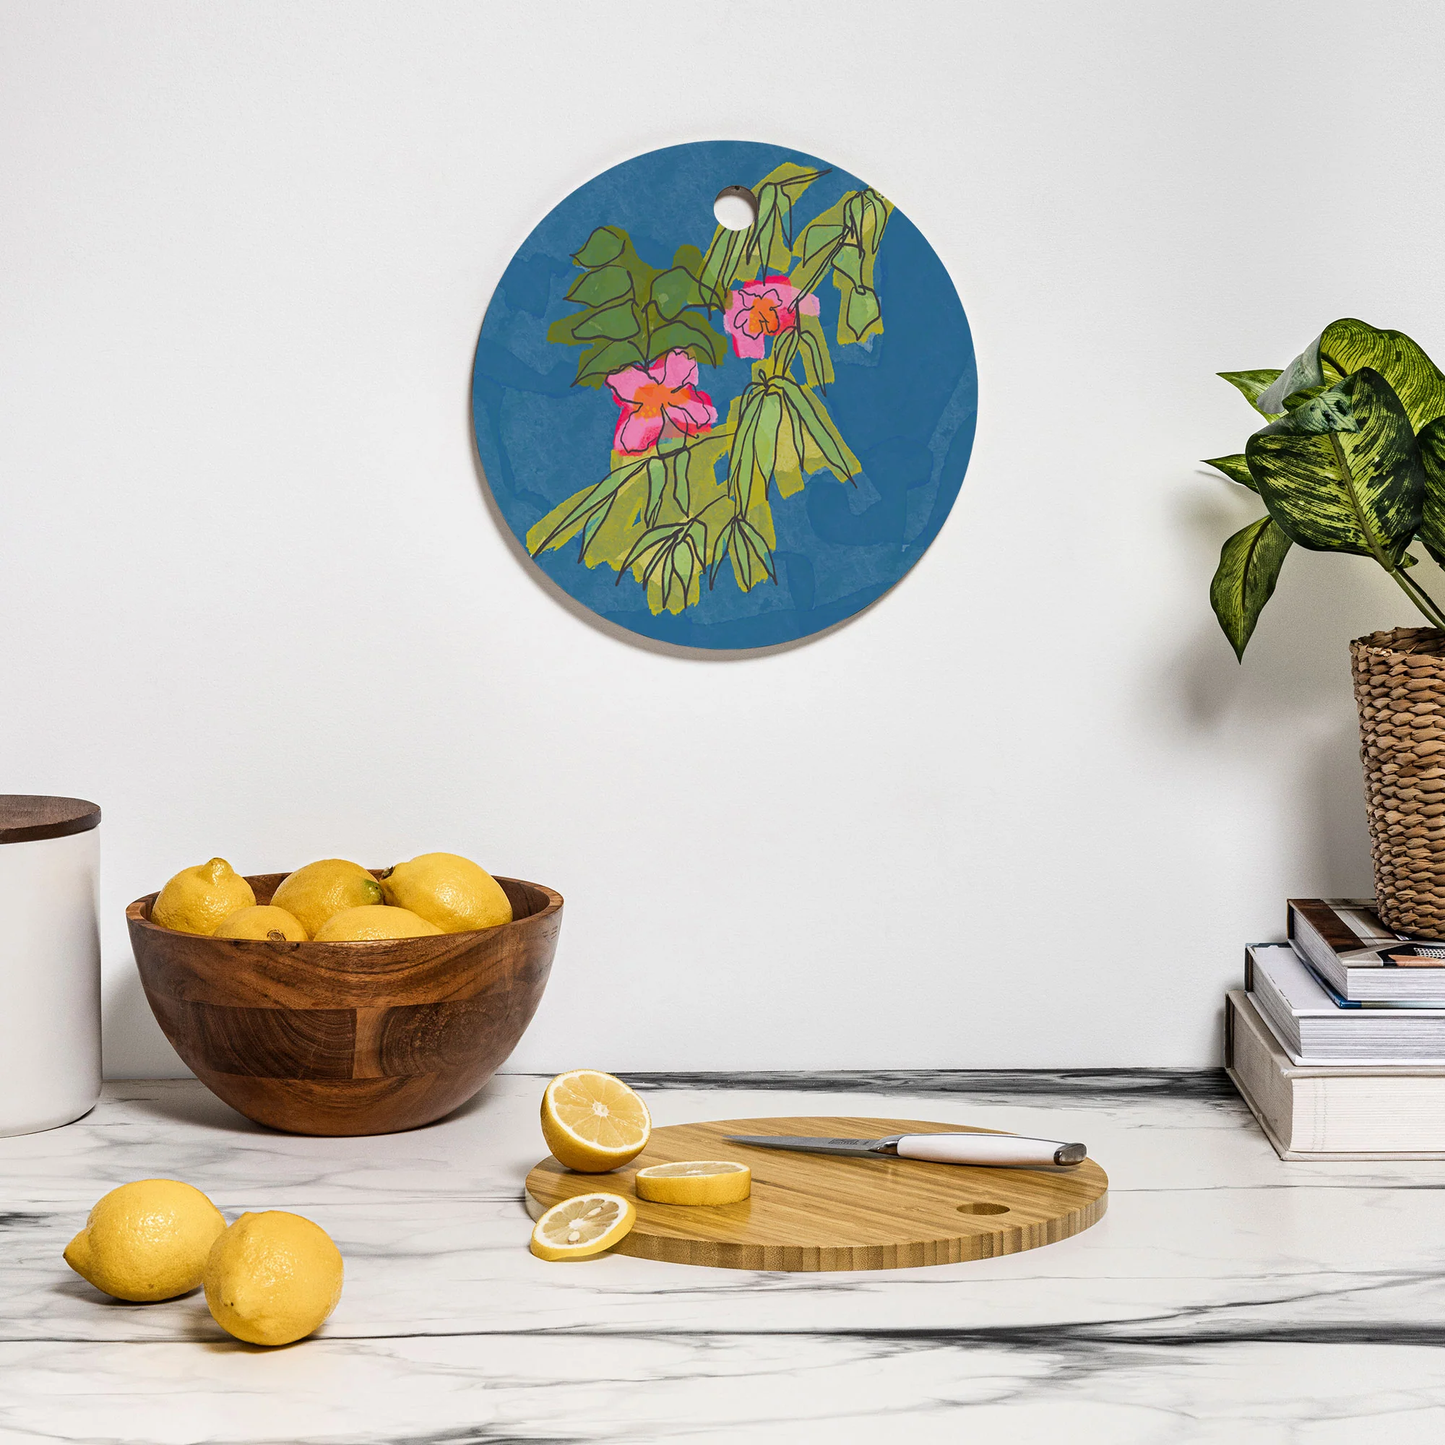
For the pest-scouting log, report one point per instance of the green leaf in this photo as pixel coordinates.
(597, 288)
(673, 290)
(859, 316)
(565, 519)
(656, 482)
(603, 245)
(1347, 346)
(1252, 385)
(692, 333)
(596, 365)
(742, 458)
(721, 265)
(649, 545)
(1249, 564)
(818, 424)
(813, 346)
(1236, 468)
(1342, 473)
(765, 438)
(680, 491)
(849, 261)
(594, 522)
(751, 556)
(1431, 442)
(817, 238)
(612, 323)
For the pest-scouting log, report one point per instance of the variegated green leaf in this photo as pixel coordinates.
(1249, 564)
(1252, 385)
(1236, 468)
(1431, 442)
(1347, 346)
(1342, 473)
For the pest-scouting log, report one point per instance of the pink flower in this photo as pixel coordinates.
(764, 308)
(661, 401)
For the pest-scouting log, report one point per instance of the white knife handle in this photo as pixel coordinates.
(1001, 1150)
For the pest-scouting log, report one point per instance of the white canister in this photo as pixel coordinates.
(49, 961)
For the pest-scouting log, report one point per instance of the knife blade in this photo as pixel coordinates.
(1002, 1151)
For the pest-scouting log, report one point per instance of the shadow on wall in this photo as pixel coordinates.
(133, 1046)
(1290, 705)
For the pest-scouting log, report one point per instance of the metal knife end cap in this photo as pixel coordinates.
(1071, 1153)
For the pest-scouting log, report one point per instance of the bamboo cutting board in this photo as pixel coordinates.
(829, 1212)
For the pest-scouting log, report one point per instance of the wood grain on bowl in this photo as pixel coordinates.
(348, 1038)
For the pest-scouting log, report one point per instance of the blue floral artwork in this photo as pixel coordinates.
(719, 438)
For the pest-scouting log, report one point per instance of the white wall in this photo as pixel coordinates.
(1024, 812)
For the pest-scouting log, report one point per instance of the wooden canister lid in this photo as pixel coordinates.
(25, 817)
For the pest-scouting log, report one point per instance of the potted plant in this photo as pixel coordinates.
(1352, 459)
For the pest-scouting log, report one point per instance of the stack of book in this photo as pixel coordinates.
(1338, 1041)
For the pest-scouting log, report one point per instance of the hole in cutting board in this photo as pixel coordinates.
(736, 208)
(982, 1207)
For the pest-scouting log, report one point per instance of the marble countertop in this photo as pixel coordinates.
(1226, 1296)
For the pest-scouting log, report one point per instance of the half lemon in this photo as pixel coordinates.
(582, 1226)
(695, 1181)
(593, 1122)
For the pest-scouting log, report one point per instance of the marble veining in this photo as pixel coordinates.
(1226, 1296)
(1106, 1085)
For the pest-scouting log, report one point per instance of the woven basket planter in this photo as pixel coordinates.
(1400, 690)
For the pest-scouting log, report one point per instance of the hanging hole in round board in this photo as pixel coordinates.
(982, 1207)
(736, 208)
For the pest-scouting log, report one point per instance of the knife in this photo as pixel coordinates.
(1007, 1151)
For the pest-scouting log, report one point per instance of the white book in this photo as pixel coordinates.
(1335, 1111)
(1316, 1030)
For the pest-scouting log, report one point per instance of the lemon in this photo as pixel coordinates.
(272, 1278)
(147, 1240)
(582, 1226)
(452, 892)
(377, 920)
(262, 921)
(320, 890)
(197, 899)
(695, 1181)
(593, 1122)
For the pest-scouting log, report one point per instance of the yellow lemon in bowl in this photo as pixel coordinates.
(262, 921)
(323, 889)
(448, 890)
(273, 1278)
(593, 1122)
(148, 1240)
(361, 925)
(197, 899)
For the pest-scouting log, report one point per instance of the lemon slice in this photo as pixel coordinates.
(583, 1226)
(695, 1181)
(593, 1122)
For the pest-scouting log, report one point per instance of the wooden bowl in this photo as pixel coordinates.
(348, 1038)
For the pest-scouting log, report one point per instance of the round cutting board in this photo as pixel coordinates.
(724, 438)
(828, 1212)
